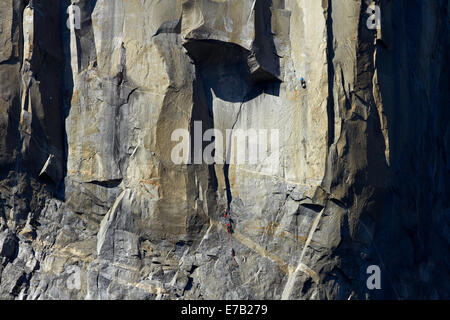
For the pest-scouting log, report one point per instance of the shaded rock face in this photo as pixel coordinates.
(92, 205)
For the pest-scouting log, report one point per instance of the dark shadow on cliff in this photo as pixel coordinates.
(412, 233)
(85, 44)
(331, 73)
(234, 74)
(363, 198)
(226, 73)
(264, 61)
(224, 70)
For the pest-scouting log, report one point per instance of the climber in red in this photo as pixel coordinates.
(229, 223)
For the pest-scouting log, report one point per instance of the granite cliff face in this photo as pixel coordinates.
(92, 205)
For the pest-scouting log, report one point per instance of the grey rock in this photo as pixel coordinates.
(9, 244)
(92, 205)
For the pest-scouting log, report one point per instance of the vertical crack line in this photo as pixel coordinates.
(331, 73)
(251, 11)
(226, 166)
(311, 233)
(206, 235)
(300, 266)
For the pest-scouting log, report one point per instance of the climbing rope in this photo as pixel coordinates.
(230, 232)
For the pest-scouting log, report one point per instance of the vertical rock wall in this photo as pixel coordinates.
(92, 205)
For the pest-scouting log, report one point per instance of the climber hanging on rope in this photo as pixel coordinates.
(229, 226)
(230, 231)
(228, 221)
(303, 82)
